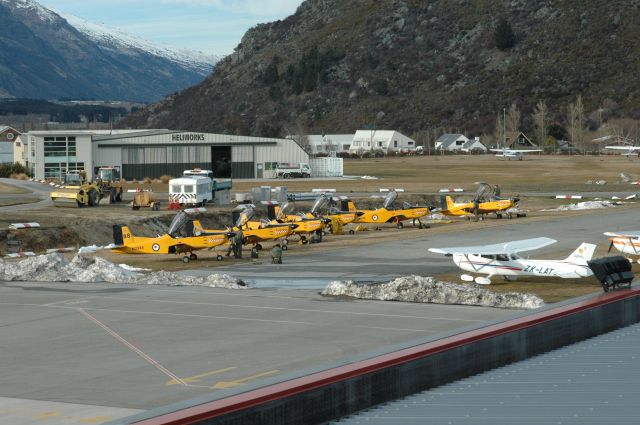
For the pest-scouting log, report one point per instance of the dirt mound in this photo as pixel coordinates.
(419, 289)
(56, 268)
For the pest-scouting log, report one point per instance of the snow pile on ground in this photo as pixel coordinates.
(586, 205)
(94, 248)
(368, 177)
(437, 216)
(56, 268)
(421, 289)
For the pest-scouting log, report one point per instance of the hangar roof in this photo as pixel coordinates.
(590, 382)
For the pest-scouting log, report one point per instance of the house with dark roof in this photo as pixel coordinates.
(518, 140)
(8, 137)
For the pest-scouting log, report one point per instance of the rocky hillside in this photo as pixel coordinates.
(338, 65)
(46, 56)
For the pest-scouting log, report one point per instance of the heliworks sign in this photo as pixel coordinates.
(187, 137)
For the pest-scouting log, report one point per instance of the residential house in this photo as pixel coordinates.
(451, 142)
(387, 141)
(8, 137)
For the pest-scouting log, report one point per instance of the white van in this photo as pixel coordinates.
(191, 191)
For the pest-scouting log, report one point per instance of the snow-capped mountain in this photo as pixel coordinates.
(46, 54)
(116, 40)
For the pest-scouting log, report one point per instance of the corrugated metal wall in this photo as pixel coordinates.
(164, 154)
(243, 170)
(140, 171)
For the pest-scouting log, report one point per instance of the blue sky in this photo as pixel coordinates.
(212, 26)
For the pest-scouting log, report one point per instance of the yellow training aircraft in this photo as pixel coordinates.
(254, 232)
(388, 215)
(486, 201)
(306, 225)
(171, 242)
(343, 217)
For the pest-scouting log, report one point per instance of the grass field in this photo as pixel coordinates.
(420, 174)
(10, 189)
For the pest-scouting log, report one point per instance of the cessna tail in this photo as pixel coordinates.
(582, 254)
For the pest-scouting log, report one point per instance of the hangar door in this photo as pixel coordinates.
(221, 161)
(236, 162)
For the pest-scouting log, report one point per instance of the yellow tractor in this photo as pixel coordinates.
(108, 179)
(77, 192)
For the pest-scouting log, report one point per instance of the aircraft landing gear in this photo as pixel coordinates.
(258, 247)
(193, 257)
(185, 259)
(284, 247)
(219, 257)
(399, 225)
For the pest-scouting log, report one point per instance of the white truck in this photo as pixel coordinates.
(191, 190)
(289, 170)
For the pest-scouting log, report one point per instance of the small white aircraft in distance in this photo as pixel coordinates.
(628, 150)
(626, 242)
(514, 153)
(502, 259)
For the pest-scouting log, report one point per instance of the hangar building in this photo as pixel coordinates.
(153, 153)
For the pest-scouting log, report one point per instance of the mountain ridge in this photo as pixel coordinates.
(336, 66)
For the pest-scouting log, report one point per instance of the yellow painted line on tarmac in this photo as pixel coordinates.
(94, 420)
(231, 384)
(47, 415)
(196, 378)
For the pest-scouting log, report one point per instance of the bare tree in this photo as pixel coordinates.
(302, 138)
(513, 119)
(498, 133)
(575, 123)
(539, 117)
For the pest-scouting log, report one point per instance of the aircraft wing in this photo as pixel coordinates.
(507, 151)
(623, 148)
(629, 234)
(499, 248)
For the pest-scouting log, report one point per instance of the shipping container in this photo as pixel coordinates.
(326, 167)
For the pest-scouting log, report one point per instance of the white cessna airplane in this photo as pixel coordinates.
(626, 242)
(514, 153)
(627, 150)
(502, 259)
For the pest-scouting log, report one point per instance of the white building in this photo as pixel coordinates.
(458, 142)
(384, 140)
(326, 143)
(153, 153)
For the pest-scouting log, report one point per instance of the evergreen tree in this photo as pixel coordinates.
(503, 35)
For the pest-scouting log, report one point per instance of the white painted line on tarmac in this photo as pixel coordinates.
(304, 310)
(201, 316)
(294, 322)
(133, 348)
(395, 329)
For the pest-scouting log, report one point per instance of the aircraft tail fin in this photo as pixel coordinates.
(583, 253)
(350, 206)
(272, 212)
(446, 202)
(197, 227)
(122, 235)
